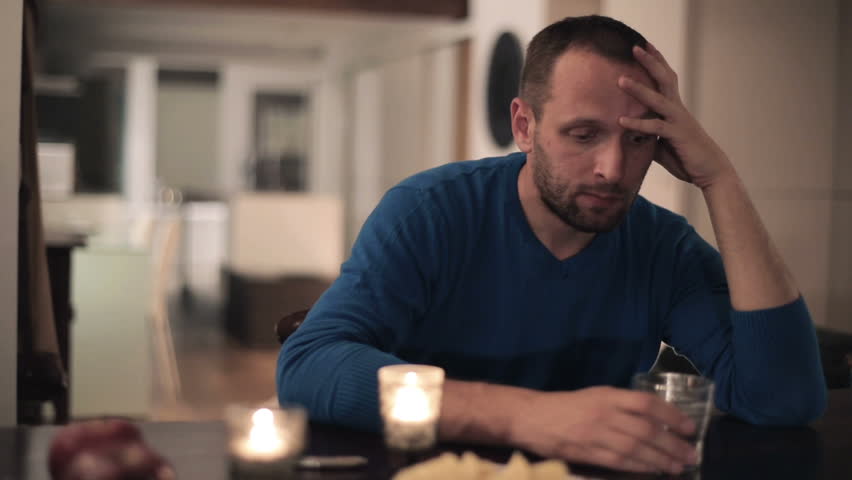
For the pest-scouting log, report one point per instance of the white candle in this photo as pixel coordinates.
(411, 402)
(265, 439)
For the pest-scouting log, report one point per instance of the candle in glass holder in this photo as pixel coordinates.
(410, 397)
(265, 441)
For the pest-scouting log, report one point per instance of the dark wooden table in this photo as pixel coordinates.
(733, 450)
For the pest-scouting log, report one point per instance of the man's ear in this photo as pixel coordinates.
(523, 124)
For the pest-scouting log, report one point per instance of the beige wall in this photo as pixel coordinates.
(840, 277)
(403, 121)
(763, 84)
(402, 112)
(364, 161)
(559, 9)
(10, 88)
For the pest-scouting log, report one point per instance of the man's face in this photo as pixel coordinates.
(587, 168)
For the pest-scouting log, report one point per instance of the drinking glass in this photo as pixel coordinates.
(692, 394)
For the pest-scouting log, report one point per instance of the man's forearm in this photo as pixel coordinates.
(756, 273)
(479, 412)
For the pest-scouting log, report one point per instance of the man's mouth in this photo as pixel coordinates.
(601, 199)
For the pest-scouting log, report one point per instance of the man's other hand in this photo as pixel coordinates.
(614, 428)
(685, 148)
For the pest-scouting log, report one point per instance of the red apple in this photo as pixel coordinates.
(103, 449)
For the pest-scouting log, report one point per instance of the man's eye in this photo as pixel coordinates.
(584, 135)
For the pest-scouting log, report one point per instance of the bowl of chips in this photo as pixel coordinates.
(469, 466)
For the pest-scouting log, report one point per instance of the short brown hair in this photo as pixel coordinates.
(604, 36)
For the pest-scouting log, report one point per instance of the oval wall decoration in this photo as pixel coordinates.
(504, 77)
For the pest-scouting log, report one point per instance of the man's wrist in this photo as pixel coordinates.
(514, 416)
(726, 177)
(483, 412)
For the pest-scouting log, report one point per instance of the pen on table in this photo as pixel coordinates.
(318, 462)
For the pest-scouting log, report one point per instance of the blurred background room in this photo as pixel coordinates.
(205, 165)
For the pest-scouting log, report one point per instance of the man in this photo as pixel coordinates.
(541, 282)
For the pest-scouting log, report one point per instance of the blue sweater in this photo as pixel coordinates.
(446, 271)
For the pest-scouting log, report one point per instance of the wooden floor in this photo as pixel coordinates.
(214, 370)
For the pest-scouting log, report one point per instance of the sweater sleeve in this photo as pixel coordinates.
(765, 363)
(329, 364)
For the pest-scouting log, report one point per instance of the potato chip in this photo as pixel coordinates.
(444, 466)
(471, 467)
(550, 470)
(468, 467)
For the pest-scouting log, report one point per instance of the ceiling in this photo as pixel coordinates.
(76, 33)
(457, 9)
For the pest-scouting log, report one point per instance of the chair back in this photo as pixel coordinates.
(288, 324)
(164, 247)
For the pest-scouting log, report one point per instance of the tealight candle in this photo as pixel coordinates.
(265, 441)
(410, 397)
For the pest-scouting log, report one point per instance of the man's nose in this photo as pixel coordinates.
(609, 165)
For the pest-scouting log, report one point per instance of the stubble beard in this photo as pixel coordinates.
(562, 202)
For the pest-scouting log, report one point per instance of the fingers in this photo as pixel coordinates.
(594, 454)
(614, 449)
(614, 428)
(652, 99)
(666, 157)
(650, 126)
(659, 69)
(625, 459)
(627, 447)
(619, 461)
(656, 409)
(664, 449)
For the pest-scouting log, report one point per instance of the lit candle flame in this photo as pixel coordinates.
(263, 437)
(410, 404)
